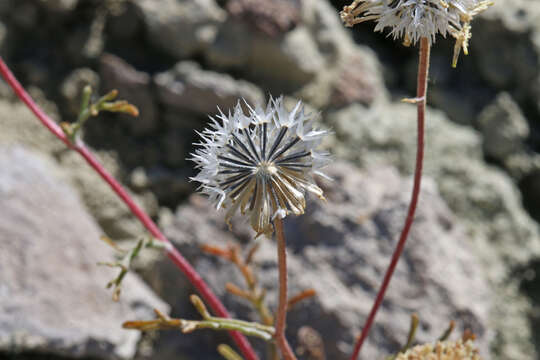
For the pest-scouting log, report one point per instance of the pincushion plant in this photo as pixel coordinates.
(413, 21)
(262, 164)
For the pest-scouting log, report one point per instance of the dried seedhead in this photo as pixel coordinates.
(410, 20)
(261, 163)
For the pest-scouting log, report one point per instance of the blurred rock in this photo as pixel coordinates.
(287, 62)
(452, 103)
(288, 57)
(189, 88)
(356, 83)
(498, 60)
(109, 211)
(3, 39)
(504, 128)
(53, 299)
(86, 41)
(341, 248)
(387, 134)
(60, 5)
(133, 86)
(5, 6)
(507, 47)
(20, 127)
(485, 200)
(24, 14)
(272, 17)
(356, 78)
(180, 28)
(316, 59)
(506, 139)
(123, 22)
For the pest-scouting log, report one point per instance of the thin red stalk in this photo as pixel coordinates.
(423, 68)
(281, 317)
(184, 266)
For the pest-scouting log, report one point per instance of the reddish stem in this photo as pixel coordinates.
(423, 68)
(281, 317)
(184, 266)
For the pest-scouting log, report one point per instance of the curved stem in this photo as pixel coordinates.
(184, 266)
(423, 68)
(281, 317)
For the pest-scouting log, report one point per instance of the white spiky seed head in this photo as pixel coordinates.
(261, 163)
(411, 20)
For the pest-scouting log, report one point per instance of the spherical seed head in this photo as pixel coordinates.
(410, 20)
(262, 162)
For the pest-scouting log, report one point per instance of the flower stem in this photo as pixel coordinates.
(281, 316)
(177, 258)
(423, 68)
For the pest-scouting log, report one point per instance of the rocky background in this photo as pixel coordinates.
(474, 249)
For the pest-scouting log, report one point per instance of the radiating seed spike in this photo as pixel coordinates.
(285, 148)
(280, 136)
(251, 145)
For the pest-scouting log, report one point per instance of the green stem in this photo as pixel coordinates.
(245, 327)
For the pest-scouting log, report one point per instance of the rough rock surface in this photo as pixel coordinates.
(189, 88)
(503, 235)
(301, 49)
(504, 128)
(20, 127)
(180, 28)
(341, 249)
(133, 86)
(516, 27)
(52, 294)
(476, 192)
(505, 133)
(307, 55)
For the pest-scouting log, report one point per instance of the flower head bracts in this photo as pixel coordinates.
(411, 20)
(261, 163)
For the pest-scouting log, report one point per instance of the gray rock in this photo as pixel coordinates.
(341, 248)
(355, 78)
(52, 294)
(133, 86)
(504, 128)
(506, 137)
(180, 28)
(512, 61)
(124, 22)
(273, 17)
(187, 87)
(387, 134)
(287, 62)
(310, 49)
(503, 235)
(109, 211)
(20, 127)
